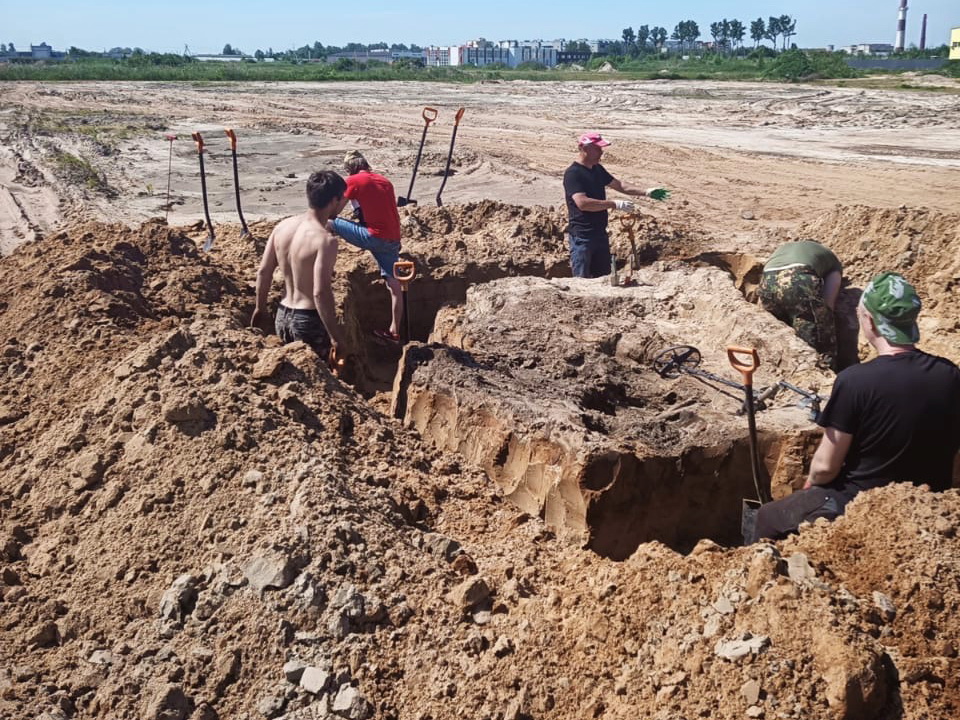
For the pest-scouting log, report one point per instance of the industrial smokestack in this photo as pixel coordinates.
(901, 26)
(923, 33)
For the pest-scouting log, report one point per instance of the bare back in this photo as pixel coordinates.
(298, 243)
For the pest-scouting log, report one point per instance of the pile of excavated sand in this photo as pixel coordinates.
(196, 522)
(922, 244)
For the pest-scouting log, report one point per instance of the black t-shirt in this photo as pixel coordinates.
(593, 183)
(904, 414)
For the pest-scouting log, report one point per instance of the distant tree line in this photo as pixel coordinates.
(727, 36)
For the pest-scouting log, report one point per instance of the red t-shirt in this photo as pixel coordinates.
(378, 203)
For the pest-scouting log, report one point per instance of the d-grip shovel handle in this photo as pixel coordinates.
(233, 138)
(198, 139)
(404, 271)
(429, 115)
(734, 355)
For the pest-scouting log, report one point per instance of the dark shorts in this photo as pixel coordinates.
(589, 258)
(304, 325)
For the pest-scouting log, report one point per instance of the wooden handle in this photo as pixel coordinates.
(746, 368)
(404, 271)
(233, 138)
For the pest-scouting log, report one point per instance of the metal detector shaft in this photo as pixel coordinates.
(236, 179)
(170, 139)
(453, 139)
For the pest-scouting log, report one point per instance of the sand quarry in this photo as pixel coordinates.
(515, 517)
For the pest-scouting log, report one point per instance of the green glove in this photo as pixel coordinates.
(658, 193)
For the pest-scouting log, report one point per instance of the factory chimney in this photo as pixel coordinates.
(923, 33)
(901, 26)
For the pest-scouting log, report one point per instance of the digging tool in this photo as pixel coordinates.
(746, 361)
(405, 271)
(453, 138)
(170, 139)
(629, 224)
(429, 115)
(208, 243)
(236, 180)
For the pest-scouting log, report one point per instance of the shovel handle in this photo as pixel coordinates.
(233, 138)
(170, 137)
(429, 115)
(198, 139)
(404, 271)
(456, 118)
(746, 366)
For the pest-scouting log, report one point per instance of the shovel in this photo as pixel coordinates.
(236, 180)
(747, 361)
(208, 243)
(429, 115)
(453, 138)
(405, 271)
(629, 224)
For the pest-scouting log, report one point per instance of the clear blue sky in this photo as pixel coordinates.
(248, 24)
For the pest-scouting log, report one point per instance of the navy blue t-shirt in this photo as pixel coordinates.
(593, 183)
(903, 412)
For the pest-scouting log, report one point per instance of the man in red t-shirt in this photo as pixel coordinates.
(378, 229)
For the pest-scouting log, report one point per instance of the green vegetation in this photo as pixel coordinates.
(78, 171)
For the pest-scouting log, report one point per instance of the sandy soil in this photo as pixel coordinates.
(199, 523)
(776, 153)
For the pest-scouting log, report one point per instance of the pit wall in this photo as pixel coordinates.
(608, 500)
(366, 306)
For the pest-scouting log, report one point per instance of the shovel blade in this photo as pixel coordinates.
(748, 521)
(208, 243)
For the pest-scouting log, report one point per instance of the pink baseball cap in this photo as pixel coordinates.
(592, 138)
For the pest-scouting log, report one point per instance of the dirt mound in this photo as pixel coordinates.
(922, 244)
(198, 523)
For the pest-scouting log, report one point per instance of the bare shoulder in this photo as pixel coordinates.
(315, 233)
(287, 227)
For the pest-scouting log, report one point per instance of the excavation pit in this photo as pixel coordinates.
(548, 385)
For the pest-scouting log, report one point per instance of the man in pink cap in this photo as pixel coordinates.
(584, 186)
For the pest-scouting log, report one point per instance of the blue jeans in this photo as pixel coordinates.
(589, 258)
(385, 252)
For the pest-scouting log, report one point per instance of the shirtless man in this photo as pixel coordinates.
(306, 252)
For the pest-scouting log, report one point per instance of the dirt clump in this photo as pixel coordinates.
(196, 522)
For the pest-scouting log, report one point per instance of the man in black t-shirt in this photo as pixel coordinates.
(584, 187)
(895, 418)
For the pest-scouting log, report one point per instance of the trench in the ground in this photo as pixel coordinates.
(611, 500)
(745, 271)
(367, 308)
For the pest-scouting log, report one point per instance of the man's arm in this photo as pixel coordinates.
(589, 204)
(268, 264)
(323, 290)
(655, 193)
(829, 457)
(831, 288)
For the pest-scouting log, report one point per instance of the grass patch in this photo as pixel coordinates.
(80, 172)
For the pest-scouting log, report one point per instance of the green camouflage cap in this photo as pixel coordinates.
(893, 304)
